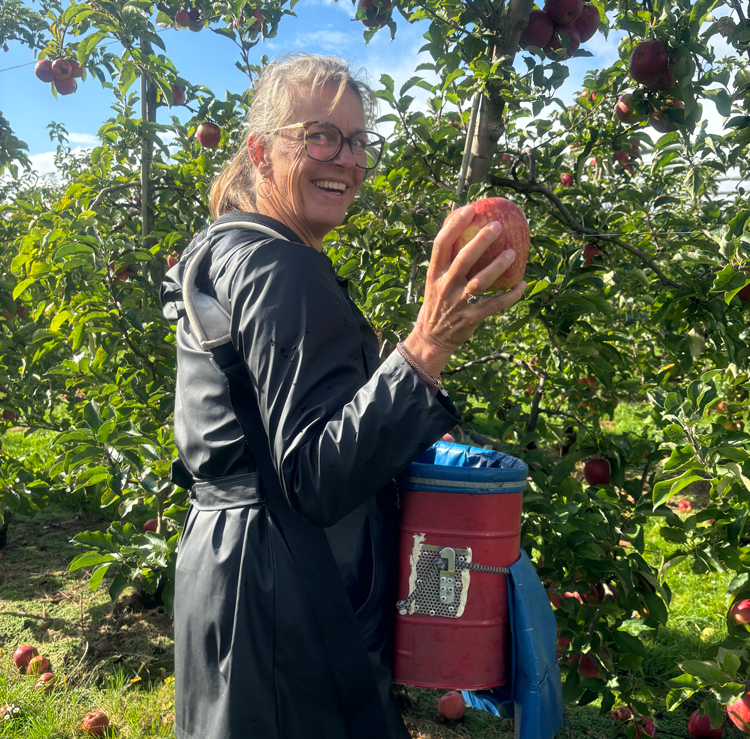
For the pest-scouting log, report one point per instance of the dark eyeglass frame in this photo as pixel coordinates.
(344, 140)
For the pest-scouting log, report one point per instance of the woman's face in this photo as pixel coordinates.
(302, 196)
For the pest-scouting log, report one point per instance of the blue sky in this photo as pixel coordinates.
(321, 26)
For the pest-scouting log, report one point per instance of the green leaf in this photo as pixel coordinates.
(627, 643)
(89, 559)
(96, 577)
(706, 672)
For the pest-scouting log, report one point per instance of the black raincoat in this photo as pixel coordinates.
(249, 661)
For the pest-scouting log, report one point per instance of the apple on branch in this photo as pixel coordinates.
(538, 31)
(590, 251)
(564, 43)
(739, 713)
(563, 12)
(514, 235)
(208, 135)
(378, 13)
(566, 180)
(649, 62)
(43, 70)
(699, 727)
(597, 472)
(587, 23)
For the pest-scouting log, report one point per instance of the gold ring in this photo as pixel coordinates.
(471, 298)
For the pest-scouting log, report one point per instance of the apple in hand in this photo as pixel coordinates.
(23, 655)
(43, 70)
(208, 135)
(563, 12)
(649, 61)
(700, 727)
(95, 723)
(514, 235)
(587, 23)
(539, 30)
(740, 611)
(596, 471)
(452, 705)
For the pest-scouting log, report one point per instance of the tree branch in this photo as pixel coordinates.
(531, 187)
(107, 190)
(492, 357)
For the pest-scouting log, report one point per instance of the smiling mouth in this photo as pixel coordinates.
(338, 188)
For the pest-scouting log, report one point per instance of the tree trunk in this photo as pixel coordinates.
(489, 125)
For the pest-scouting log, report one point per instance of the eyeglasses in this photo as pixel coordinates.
(323, 142)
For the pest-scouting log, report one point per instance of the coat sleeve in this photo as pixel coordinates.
(336, 436)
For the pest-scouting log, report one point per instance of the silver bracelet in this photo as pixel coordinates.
(404, 352)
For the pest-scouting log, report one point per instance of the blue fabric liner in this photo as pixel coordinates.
(533, 695)
(457, 463)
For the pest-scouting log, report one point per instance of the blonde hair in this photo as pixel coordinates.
(275, 97)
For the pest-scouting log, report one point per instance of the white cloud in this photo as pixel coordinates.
(83, 139)
(43, 164)
(326, 40)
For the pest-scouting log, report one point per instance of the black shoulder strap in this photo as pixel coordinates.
(308, 544)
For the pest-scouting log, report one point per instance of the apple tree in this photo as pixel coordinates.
(637, 283)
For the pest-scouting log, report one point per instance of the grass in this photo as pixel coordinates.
(118, 658)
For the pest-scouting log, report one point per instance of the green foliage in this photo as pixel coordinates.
(657, 321)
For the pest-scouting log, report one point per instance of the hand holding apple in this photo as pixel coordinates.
(446, 319)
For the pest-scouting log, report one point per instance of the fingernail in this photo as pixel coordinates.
(495, 227)
(510, 254)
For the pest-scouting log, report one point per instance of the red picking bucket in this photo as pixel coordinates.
(461, 510)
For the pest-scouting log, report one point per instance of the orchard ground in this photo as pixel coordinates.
(117, 658)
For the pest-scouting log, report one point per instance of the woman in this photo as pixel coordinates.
(249, 661)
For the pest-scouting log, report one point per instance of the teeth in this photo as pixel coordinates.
(327, 185)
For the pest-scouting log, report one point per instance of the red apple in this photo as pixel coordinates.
(178, 95)
(95, 723)
(596, 471)
(514, 235)
(151, 525)
(171, 261)
(722, 404)
(539, 30)
(377, 16)
(62, 69)
(66, 86)
(566, 180)
(182, 18)
(122, 275)
(587, 23)
(744, 294)
(77, 68)
(23, 655)
(700, 727)
(564, 42)
(621, 714)
(37, 666)
(589, 252)
(208, 135)
(644, 727)
(684, 506)
(625, 110)
(661, 124)
(649, 61)
(46, 682)
(43, 70)
(257, 24)
(740, 611)
(452, 705)
(739, 712)
(664, 83)
(563, 12)
(622, 156)
(196, 22)
(587, 666)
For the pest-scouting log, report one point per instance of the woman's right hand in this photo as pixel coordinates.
(446, 319)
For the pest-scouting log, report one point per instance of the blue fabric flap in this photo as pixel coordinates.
(447, 467)
(534, 697)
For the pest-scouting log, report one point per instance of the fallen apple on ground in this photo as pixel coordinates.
(514, 235)
(37, 665)
(621, 714)
(46, 682)
(452, 705)
(95, 723)
(700, 727)
(24, 654)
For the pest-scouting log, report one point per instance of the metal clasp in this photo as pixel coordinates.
(447, 575)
